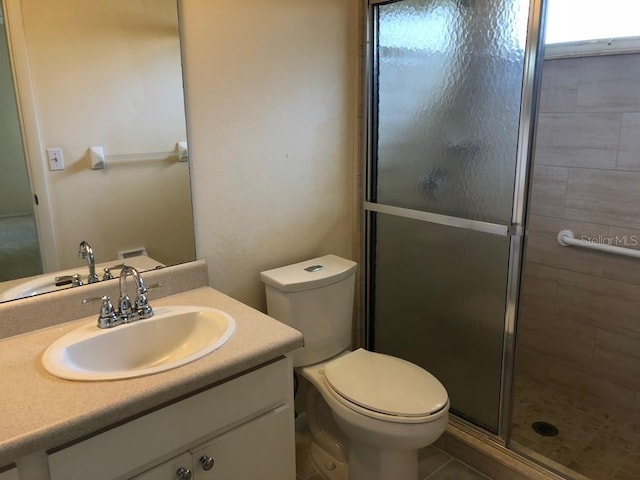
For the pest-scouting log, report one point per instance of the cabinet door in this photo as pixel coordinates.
(11, 474)
(263, 449)
(172, 429)
(168, 470)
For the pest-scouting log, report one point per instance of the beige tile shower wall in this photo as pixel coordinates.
(579, 326)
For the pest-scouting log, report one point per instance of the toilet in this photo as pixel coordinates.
(368, 413)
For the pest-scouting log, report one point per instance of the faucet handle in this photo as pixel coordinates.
(108, 317)
(75, 280)
(107, 275)
(143, 309)
(144, 288)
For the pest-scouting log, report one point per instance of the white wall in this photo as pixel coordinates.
(15, 194)
(109, 73)
(271, 107)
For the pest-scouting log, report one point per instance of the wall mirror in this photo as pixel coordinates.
(92, 138)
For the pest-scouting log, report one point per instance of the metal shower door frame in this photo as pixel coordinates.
(533, 57)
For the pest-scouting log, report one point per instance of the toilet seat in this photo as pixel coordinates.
(385, 387)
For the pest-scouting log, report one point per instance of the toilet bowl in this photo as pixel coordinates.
(385, 408)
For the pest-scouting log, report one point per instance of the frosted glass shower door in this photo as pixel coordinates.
(445, 107)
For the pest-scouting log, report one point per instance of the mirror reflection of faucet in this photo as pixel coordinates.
(85, 251)
(74, 280)
(107, 275)
(66, 279)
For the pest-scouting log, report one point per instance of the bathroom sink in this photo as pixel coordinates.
(173, 337)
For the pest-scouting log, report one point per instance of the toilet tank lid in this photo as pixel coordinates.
(309, 274)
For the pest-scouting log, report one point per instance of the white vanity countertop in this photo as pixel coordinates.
(39, 411)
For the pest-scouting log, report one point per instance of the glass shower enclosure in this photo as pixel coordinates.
(451, 88)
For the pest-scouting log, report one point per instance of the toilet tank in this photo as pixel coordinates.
(316, 298)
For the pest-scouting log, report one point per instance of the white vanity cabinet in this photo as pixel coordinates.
(253, 451)
(245, 425)
(170, 470)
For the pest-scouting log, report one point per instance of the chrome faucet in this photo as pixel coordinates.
(85, 251)
(141, 308)
(126, 311)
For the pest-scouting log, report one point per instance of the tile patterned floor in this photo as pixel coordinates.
(434, 464)
(591, 442)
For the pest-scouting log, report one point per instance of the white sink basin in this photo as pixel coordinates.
(173, 337)
(43, 284)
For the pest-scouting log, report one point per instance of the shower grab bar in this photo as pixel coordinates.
(567, 239)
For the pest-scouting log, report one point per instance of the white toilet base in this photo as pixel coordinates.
(327, 466)
(377, 449)
(367, 463)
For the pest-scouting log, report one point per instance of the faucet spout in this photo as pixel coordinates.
(142, 307)
(85, 251)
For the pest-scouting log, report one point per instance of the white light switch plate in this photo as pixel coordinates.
(56, 162)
